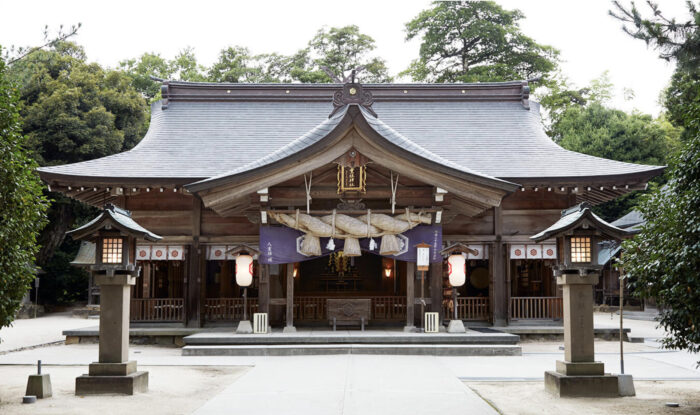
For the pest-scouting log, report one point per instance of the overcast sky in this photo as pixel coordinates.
(589, 40)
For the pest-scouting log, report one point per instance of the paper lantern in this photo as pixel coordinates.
(244, 270)
(457, 270)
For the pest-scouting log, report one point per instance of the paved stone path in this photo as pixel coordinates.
(348, 384)
(45, 329)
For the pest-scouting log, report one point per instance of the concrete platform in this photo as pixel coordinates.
(557, 332)
(367, 349)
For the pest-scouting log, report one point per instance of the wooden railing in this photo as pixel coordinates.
(231, 309)
(469, 308)
(389, 308)
(157, 309)
(536, 308)
(386, 308)
(310, 308)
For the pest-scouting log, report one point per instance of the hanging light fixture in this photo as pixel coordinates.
(457, 269)
(244, 270)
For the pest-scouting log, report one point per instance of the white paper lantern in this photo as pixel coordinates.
(457, 270)
(244, 270)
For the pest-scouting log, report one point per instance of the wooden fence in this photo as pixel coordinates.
(468, 308)
(386, 308)
(158, 309)
(536, 308)
(228, 309)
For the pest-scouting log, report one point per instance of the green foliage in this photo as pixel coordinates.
(140, 70)
(342, 49)
(678, 41)
(579, 120)
(664, 259)
(75, 111)
(465, 41)
(22, 206)
(614, 134)
(339, 50)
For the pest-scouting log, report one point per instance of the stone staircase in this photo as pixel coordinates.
(378, 342)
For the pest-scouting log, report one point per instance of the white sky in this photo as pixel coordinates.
(589, 40)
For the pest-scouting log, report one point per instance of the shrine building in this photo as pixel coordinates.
(331, 187)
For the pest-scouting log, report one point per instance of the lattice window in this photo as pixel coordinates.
(112, 250)
(580, 249)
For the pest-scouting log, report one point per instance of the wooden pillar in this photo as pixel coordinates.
(436, 290)
(264, 289)
(289, 328)
(500, 296)
(410, 296)
(194, 277)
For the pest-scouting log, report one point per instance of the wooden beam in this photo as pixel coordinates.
(194, 279)
(436, 289)
(290, 299)
(410, 296)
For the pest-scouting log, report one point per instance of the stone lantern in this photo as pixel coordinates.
(577, 234)
(114, 234)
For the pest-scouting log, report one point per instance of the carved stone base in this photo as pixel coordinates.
(581, 386)
(289, 329)
(101, 385)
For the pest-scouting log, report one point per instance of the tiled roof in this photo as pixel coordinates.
(202, 139)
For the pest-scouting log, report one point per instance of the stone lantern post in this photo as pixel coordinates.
(578, 233)
(114, 233)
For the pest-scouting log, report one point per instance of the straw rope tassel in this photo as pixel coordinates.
(331, 245)
(394, 188)
(372, 243)
(308, 192)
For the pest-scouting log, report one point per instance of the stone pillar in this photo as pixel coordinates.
(114, 372)
(114, 318)
(579, 374)
(410, 296)
(289, 328)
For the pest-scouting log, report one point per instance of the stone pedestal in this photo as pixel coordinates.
(114, 372)
(244, 327)
(456, 326)
(39, 386)
(579, 374)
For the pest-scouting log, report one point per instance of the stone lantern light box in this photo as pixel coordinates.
(578, 234)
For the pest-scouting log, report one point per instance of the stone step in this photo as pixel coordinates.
(376, 349)
(331, 338)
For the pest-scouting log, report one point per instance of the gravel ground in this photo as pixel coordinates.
(172, 390)
(525, 398)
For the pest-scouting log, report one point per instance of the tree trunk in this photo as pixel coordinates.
(61, 218)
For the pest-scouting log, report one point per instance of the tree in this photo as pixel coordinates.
(22, 206)
(143, 68)
(73, 111)
(467, 41)
(663, 261)
(337, 50)
(340, 50)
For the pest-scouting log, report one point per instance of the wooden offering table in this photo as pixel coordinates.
(348, 311)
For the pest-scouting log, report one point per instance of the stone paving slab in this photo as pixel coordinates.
(347, 384)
